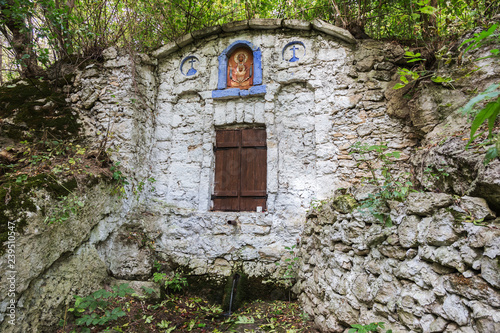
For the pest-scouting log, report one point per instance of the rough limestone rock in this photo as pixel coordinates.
(408, 231)
(441, 229)
(430, 273)
(128, 255)
(423, 203)
(45, 265)
(43, 304)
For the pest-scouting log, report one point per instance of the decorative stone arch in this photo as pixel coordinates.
(257, 87)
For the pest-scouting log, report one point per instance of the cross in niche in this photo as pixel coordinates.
(294, 58)
(191, 71)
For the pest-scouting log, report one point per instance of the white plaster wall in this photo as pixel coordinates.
(163, 125)
(313, 110)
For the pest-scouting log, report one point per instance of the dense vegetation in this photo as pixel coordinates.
(38, 33)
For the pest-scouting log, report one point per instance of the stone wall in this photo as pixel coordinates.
(162, 122)
(433, 271)
(313, 110)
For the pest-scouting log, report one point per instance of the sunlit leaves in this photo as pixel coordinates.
(405, 73)
(413, 57)
(479, 38)
(488, 114)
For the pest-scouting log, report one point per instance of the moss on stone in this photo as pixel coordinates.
(16, 202)
(36, 107)
(344, 203)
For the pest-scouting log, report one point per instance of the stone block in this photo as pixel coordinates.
(202, 33)
(473, 288)
(383, 76)
(297, 24)
(125, 258)
(365, 64)
(477, 207)
(441, 231)
(449, 257)
(259, 23)
(257, 90)
(408, 231)
(235, 26)
(165, 50)
(248, 114)
(259, 112)
(118, 62)
(455, 310)
(226, 93)
(184, 40)
(490, 270)
(332, 30)
(109, 53)
(409, 319)
(424, 203)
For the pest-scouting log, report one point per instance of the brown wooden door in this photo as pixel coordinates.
(240, 170)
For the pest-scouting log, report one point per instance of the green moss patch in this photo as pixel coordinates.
(16, 202)
(36, 108)
(344, 203)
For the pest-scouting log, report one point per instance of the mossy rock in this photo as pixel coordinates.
(16, 201)
(344, 203)
(34, 109)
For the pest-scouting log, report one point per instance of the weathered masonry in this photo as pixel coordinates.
(253, 122)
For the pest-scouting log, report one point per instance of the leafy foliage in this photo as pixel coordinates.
(174, 282)
(489, 113)
(389, 184)
(93, 309)
(373, 327)
(479, 39)
(188, 314)
(67, 205)
(42, 32)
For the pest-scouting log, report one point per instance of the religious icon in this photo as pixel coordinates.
(298, 50)
(191, 60)
(240, 69)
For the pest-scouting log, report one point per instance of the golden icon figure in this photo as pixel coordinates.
(240, 69)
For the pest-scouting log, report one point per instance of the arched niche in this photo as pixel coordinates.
(224, 60)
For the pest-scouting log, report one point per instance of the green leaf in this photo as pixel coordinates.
(491, 154)
(414, 60)
(490, 111)
(428, 10)
(488, 93)
(492, 118)
(388, 222)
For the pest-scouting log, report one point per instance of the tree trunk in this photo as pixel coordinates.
(1, 61)
(20, 39)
